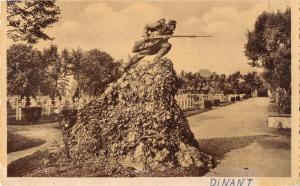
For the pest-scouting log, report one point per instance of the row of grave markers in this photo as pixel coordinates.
(186, 101)
(47, 104)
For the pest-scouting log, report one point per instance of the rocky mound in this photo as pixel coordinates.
(136, 124)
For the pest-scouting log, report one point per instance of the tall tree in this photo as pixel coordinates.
(269, 47)
(75, 65)
(222, 83)
(74, 69)
(214, 80)
(64, 81)
(25, 70)
(55, 72)
(253, 80)
(189, 80)
(98, 69)
(233, 80)
(27, 20)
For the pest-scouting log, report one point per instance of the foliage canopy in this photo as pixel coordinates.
(269, 47)
(27, 20)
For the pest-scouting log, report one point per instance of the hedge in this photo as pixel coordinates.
(217, 102)
(31, 114)
(237, 98)
(247, 96)
(232, 99)
(284, 104)
(69, 117)
(208, 104)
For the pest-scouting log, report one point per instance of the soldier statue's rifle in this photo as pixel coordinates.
(175, 36)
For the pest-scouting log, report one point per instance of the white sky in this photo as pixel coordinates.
(115, 26)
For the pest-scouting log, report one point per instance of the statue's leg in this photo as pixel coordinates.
(133, 60)
(137, 57)
(165, 48)
(144, 49)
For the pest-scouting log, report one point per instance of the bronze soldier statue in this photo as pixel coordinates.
(155, 41)
(151, 44)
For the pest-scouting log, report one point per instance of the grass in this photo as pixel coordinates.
(42, 120)
(198, 111)
(46, 164)
(223, 104)
(275, 143)
(17, 142)
(284, 132)
(218, 147)
(49, 164)
(194, 112)
(32, 163)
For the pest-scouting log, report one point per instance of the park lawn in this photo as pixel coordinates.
(43, 120)
(17, 142)
(218, 147)
(189, 113)
(194, 112)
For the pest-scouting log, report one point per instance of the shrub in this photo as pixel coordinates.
(31, 114)
(207, 104)
(217, 102)
(69, 117)
(10, 110)
(284, 104)
(247, 96)
(232, 99)
(76, 94)
(262, 92)
(237, 98)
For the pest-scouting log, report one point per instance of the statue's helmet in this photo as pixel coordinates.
(171, 22)
(162, 21)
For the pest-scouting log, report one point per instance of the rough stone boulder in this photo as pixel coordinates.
(136, 124)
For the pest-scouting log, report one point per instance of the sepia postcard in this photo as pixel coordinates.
(150, 92)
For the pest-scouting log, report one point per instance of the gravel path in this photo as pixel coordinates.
(267, 156)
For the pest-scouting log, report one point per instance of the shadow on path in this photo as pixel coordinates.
(218, 147)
